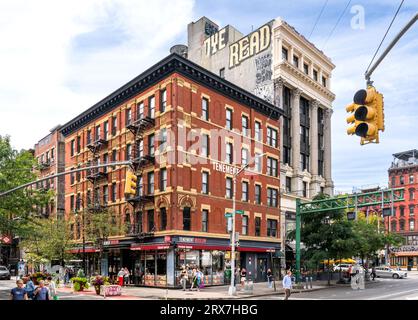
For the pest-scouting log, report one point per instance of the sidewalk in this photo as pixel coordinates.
(207, 293)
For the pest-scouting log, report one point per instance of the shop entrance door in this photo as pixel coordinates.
(261, 269)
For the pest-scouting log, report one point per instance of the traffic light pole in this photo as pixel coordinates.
(391, 45)
(109, 164)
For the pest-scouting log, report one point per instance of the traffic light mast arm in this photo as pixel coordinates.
(391, 45)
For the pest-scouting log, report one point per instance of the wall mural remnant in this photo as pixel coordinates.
(263, 67)
(264, 92)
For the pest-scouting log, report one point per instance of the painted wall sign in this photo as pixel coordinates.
(224, 168)
(249, 46)
(216, 42)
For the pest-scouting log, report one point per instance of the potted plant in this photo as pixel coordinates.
(79, 283)
(37, 276)
(99, 281)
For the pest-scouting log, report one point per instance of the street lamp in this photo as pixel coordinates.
(80, 201)
(232, 289)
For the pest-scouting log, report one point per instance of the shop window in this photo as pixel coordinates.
(149, 261)
(186, 219)
(161, 278)
(163, 219)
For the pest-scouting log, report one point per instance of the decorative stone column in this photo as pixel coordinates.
(329, 184)
(313, 139)
(296, 180)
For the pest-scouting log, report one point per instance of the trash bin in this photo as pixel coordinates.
(409, 267)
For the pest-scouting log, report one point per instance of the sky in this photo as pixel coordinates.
(58, 58)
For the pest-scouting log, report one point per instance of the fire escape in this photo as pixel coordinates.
(140, 161)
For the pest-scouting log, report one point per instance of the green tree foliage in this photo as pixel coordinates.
(16, 168)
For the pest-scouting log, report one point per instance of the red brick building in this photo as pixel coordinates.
(49, 152)
(403, 173)
(187, 131)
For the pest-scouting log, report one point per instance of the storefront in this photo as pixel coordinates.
(404, 256)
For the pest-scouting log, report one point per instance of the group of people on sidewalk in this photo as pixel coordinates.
(197, 279)
(46, 290)
(124, 276)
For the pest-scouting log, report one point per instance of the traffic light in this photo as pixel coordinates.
(367, 116)
(130, 182)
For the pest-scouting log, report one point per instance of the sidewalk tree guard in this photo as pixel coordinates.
(350, 201)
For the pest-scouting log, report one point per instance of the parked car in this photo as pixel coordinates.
(344, 267)
(4, 273)
(387, 272)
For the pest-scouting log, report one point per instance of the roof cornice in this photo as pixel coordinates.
(171, 64)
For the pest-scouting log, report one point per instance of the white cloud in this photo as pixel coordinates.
(48, 76)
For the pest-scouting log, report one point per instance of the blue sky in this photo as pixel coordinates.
(59, 58)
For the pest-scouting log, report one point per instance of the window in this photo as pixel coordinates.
(105, 129)
(72, 203)
(140, 187)
(284, 54)
(229, 188)
(222, 73)
(113, 192)
(271, 197)
(271, 228)
(244, 122)
(304, 162)
(114, 153)
(205, 145)
(272, 137)
(88, 197)
(229, 119)
(105, 194)
(151, 149)
(88, 136)
(393, 181)
(402, 211)
(305, 189)
(163, 100)
(401, 225)
(140, 110)
(258, 131)
(205, 109)
(186, 219)
(97, 137)
(150, 182)
(205, 182)
(205, 224)
(411, 194)
(128, 116)
(163, 179)
(411, 225)
(151, 107)
(78, 202)
(163, 219)
(128, 151)
(244, 225)
(258, 162)
(244, 191)
(151, 224)
(105, 160)
(296, 61)
(272, 167)
(257, 194)
(411, 210)
(72, 177)
(324, 81)
(257, 226)
(305, 68)
(114, 125)
(163, 139)
(72, 147)
(140, 148)
(229, 151)
(78, 145)
(244, 157)
(52, 154)
(411, 178)
(401, 180)
(315, 75)
(288, 184)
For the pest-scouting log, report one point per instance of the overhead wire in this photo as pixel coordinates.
(384, 37)
(336, 24)
(317, 19)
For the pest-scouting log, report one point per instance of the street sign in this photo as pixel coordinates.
(387, 212)
(239, 211)
(228, 215)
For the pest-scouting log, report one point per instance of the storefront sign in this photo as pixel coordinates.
(184, 239)
(192, 240)
(167, 238)
(110, 242)
(404, 249)
(150, 246)
(225, 168)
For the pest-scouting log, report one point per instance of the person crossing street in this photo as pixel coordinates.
(287, 284)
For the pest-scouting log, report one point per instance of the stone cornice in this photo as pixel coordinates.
(169, 65)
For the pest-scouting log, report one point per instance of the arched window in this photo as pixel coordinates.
(128, 225)
(401, 225)
(163, 219)
(411, 225)
(393, 226)
(186, 219)
(138, 222)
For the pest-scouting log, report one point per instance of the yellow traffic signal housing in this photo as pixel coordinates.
(367, 116)
(130, 182)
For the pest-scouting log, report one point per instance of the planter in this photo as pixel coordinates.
(97, 288)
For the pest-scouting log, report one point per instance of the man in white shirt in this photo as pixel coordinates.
(287, 284)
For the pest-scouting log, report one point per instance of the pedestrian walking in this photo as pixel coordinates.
(19, 292)
(287, 284)
(270, 278)
(194, 280)
(30, 288)
(373, 272)
(42, 292)
(121, 275)
(199, 279)
(52, 288)
(183, 278)
(126, 276)
(243, 275)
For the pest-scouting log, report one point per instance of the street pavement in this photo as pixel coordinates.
(380, 289)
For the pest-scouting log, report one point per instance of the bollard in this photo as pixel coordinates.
(310, 280)
(306, 281)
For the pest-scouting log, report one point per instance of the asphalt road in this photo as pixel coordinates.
(382, 289)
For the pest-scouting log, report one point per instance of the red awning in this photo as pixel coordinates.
(157, 246)
(202, 247)
(87, 250)
(249, 249)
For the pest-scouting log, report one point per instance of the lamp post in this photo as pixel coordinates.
(83, 238)
(232, 289)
